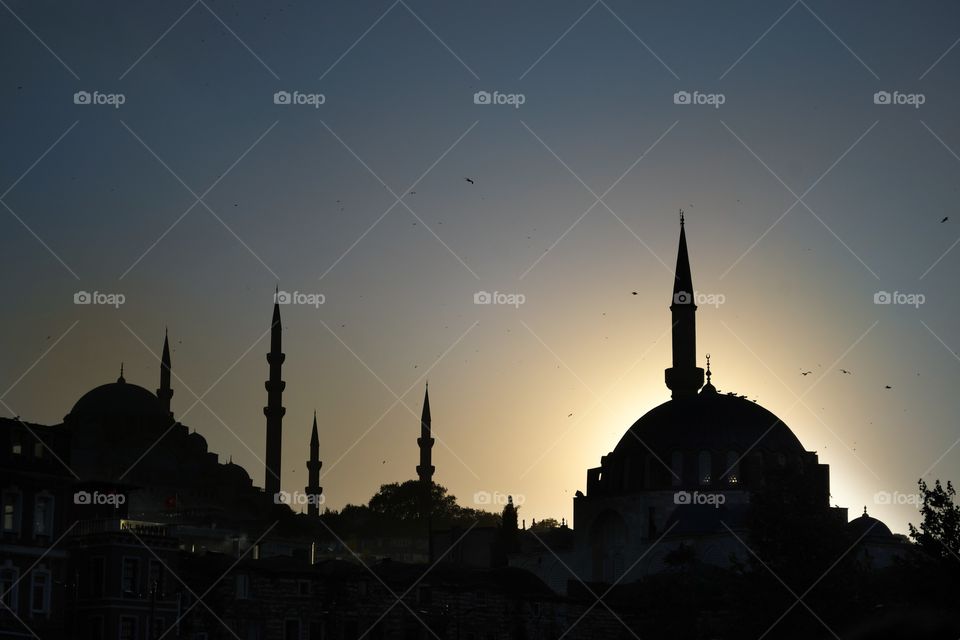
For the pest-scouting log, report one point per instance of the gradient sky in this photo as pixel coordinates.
(89, 190)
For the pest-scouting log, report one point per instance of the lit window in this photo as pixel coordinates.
(704, 467)
(11, 512)
(733, 467)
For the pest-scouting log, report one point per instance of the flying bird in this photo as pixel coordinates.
(469, 180)
(945, 218)
(805, 373)
(887, 387)
(634, 292)
(844, 371)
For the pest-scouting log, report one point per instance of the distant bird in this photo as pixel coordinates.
(634, 292)
(384, 462)
(569, 415)
(945, 218)
(887, 387)
(412, 193)
(805, 373)
(845, 371)
(469, 180)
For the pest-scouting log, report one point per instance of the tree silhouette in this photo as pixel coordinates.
(939, 533)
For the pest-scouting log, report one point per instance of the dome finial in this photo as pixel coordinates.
(121, 380)
(864, 510)
(708, 388)
(681, 217)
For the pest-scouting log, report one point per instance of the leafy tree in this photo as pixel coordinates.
(939, 533)
(547, 524)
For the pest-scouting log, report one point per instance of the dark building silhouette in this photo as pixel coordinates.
(274, 410)
(684, 472)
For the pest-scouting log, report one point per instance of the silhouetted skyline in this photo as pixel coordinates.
(805, 195)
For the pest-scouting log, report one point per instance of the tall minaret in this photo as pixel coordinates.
(425, 469)
(313, 489)
(164, 393)
(274, 410)
(684, 378)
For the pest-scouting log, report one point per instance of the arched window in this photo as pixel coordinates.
(704, 467)
(676, 468)
(733, 467)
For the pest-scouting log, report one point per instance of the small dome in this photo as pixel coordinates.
(118, 400)
(197, 441)
(234, 473)
(868, 528)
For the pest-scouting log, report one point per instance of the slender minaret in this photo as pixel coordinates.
(274, 410)
(684, 378)
(164, 393)
(425, 469)
(313, 489)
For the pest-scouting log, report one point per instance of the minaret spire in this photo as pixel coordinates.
(274, 410)
(684, 378)
(313, 488)
(165, 392)
(425, 469)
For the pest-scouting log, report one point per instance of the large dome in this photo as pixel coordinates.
(117, 400)
(708, 421)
